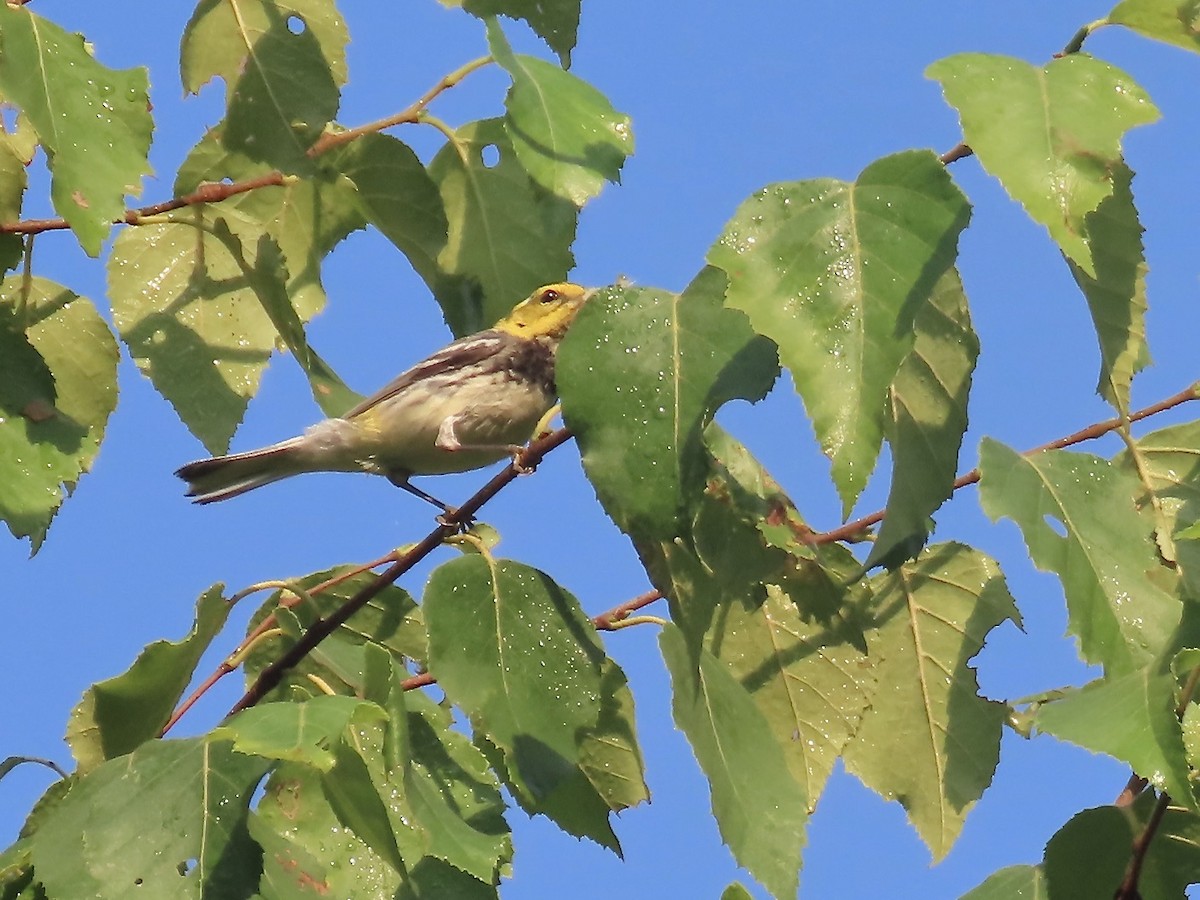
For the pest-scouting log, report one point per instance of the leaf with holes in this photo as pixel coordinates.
(566, 133)
(928, 739)
(835, 273)
(1050, 134)
(222, 34)
(1077, 515)
(93, 122)
(507, 235)
(191, 795)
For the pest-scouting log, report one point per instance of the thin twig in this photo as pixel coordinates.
(217, 191)
(449, 525)
(1098, 429)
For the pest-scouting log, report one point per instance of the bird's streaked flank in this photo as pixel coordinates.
(470, 404)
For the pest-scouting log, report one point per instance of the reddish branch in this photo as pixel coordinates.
(448, 526)
(1098, 429)
(217, 191)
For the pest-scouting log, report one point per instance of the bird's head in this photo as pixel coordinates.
(547, 312)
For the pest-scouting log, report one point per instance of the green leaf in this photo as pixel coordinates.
(303, 827)
(26, 384)
(298, 731)
(307, 217)
(556, 23)
(454, 795)
(268, 278)
(190, 318)
(354, 795)
(190, 796)
(1026, 882)
(284, 96)
(1050, 134)
(1170, 458)
(835, 273)
(1130, 717)
(119, 714)
(13, 179)
(515, 651)
(567, 135)
(927, 417)
(1173, 21)
(507, 235)
(1116, 296)
(395, 193)
(761, 810)
(680, 357)
(810, 679)
(390, 621)
(1079, 521)
(928, 739)
(735, 891)
(221, 37)
(93, 122)
(48, 439)
(290, 872)
(1088, 856)
(609, 754)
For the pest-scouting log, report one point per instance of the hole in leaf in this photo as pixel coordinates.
(186, 866)
(296, 25)
(1055, 525)
(490, 156)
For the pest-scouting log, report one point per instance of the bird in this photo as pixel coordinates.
(468, 405)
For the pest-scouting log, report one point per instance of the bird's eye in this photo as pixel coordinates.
(549, 296)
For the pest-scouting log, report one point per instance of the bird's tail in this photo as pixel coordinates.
(222, 477)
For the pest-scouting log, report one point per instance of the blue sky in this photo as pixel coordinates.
(724, 100)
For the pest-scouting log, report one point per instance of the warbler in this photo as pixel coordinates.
(470, 404)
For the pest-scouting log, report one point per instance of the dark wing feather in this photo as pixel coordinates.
(463, 352)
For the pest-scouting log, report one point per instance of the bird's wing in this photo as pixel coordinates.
(463, 352)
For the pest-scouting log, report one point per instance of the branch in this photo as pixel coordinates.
(1091, 432)
(217, 191)
(448, 525)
